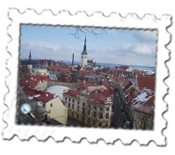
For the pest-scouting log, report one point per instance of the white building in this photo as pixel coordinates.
(84, 55)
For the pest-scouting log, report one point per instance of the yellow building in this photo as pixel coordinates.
(91, 104)
(40, 71)
(56, 110)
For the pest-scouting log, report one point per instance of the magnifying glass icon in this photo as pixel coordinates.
(26, 109)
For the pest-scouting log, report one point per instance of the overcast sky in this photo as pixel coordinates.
(117, 46)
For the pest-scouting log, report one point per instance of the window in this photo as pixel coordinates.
(107, 115)
(101, 109)
(95, 107)
(94, 114)
(83, 111)
(69, 105)
(69, 99)
(78, 102)
(83, 104)
(94, 122)
(89, 106)
(100, 115)
(73, 101)
(78, 108)
(107, 109)
(89, 112)
(88, 121)
(65, 98)
(77, 116)
(51, 105)
(72, 106)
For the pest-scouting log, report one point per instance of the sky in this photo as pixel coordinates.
(114, 46)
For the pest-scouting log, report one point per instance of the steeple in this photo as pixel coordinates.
(30, 56)
(84, 48)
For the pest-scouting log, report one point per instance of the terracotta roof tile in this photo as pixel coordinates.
(37, 95)
(146, 82)
(32, 81)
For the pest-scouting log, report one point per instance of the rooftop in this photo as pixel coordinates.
(146, 82)
(144, 103)
(36, 95)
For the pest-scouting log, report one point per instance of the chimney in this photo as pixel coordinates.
(73, 59)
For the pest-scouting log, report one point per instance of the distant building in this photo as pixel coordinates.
(53, 77)
(29, 63)
(51, 63)
(40, 71)
(84, 55)
(91, 63)
(45, 63)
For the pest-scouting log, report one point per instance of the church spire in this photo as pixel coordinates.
(30, 56)
(84, 48)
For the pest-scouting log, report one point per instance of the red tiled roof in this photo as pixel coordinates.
(128, 85)
(100, 96)
(58, 68)
(106, 84)
(32, 81)
(103, 74)
(89, 68)
(73, 93)
(146, 82)
(137, 72)
(123, 67)
(37, 95)
(130, 93)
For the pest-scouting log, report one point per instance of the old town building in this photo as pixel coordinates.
(90, 104)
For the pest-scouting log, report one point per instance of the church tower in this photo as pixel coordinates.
(84, 55)
(29, 63)
(30, 56)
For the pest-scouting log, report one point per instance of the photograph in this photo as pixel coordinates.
(86, 77)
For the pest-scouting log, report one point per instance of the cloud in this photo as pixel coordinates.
(127, 53)
(145, 35)
(144, 49)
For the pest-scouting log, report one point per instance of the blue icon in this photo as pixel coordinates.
(26, 108)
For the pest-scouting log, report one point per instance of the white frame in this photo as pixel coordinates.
(97, 19)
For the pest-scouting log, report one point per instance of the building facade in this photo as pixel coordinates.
(90, 105)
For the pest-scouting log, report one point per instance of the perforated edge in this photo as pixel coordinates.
(67, 145)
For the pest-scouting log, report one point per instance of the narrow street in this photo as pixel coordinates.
(120, 115)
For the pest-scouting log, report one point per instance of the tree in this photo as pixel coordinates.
(84, 30)
(78, 67)
(62, 77)
(24, 71)
(74, 76)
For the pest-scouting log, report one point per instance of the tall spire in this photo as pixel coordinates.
(30, 56)
(84, 48)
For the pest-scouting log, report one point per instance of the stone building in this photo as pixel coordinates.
(52, 104)
(91, 104)
(143, 111)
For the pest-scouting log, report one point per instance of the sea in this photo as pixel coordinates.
(135, 67)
